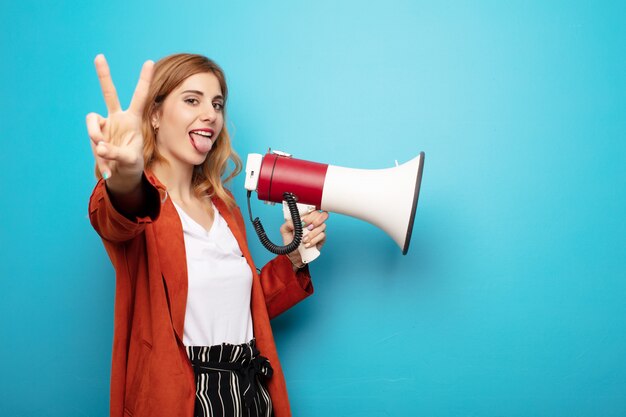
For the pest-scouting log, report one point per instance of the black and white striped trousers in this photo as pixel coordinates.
(229, 381)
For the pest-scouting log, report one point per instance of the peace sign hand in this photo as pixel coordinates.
(117, 140)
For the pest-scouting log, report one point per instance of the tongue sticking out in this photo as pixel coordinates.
(201, 143)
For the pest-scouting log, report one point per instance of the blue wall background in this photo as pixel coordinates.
(511, 301)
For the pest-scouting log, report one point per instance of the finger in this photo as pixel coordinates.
(110, 152)
(287, 227)
(313, 233)
(94, 127)
(141, 91)
(94, 130)
(106, 83)
(317, 241)
(307, 218)
(102, 165)
(315, 218)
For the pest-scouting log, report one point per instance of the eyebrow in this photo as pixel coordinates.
(200, 93)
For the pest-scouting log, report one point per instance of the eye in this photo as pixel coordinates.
(218, 106)
(192, 100)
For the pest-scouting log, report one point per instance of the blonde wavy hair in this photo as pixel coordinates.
(209, 177)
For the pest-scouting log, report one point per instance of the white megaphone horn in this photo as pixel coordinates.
(386, 198)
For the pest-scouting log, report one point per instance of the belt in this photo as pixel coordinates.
(248, 368)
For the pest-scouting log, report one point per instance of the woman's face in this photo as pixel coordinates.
(190, 119)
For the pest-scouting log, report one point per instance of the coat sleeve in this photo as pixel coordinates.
(113, 226)
(282, 287)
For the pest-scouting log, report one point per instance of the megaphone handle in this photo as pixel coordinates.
(307, 254)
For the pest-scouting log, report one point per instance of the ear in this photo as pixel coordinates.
(154, 120)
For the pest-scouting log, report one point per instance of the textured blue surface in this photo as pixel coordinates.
(511, 301)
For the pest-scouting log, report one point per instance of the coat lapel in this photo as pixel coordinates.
(170, 242)
(234, 227)
(173, 260)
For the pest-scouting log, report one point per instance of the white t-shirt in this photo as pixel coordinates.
(220, 285)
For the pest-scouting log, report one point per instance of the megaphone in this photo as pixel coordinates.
(386, 198)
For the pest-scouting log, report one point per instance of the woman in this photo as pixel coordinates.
(191, 313)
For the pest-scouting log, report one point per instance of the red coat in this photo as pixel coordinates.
(151, 375)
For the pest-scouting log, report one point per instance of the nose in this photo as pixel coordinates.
(208, 114)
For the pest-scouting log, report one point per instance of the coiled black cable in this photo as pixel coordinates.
(297, 227)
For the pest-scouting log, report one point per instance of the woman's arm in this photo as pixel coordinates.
(118, 226)
(283, 287)
(286, 279)
(117, 145)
